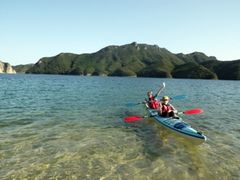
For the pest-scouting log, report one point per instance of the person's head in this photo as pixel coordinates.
(165, 99)
(150, 94)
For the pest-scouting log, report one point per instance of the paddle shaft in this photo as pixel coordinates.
(187, 112)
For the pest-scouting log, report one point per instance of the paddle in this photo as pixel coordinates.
(133, 104)
(134, 118)
(192, 111)
(157, 94)
(130, 119)
(178, 97)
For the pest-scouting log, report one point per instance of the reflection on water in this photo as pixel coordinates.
(70, 127)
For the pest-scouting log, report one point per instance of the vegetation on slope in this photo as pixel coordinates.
(140, 60)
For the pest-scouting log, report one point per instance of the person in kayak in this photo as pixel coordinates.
(167, 110)
(152, 102)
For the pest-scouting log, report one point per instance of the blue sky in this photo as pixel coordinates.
(32, 29)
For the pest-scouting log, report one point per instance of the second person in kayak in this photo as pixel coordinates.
(152, 102)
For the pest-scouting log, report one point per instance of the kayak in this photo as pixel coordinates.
(178, 126)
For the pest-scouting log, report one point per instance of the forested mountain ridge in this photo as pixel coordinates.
(140, 60)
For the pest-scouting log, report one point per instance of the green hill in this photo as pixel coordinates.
(22, 68)
(194, 71)
(227, 70)
(196, 57)
(140, 60)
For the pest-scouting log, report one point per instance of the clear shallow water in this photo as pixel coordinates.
(70, 127)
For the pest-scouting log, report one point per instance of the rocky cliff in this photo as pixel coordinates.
(6, 68)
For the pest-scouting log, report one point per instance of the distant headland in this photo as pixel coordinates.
(6, 68)
(138, 60)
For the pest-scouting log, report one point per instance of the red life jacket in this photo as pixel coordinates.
(153, 103)
(166, 108)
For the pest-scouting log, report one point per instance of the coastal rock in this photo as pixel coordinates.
(6, 68)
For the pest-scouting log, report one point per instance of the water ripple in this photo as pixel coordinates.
(71, 127)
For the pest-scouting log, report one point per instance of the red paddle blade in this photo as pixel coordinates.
(193, 111)
(132, 118)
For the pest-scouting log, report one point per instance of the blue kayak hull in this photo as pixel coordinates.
(179, 127)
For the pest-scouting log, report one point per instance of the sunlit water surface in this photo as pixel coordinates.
(71, 127)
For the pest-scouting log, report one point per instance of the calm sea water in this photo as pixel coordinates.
(71, 127)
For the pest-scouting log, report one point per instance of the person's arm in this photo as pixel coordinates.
(160, 108)
(147, 106)
(173, 108)
(160, 90)
(146, 103)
